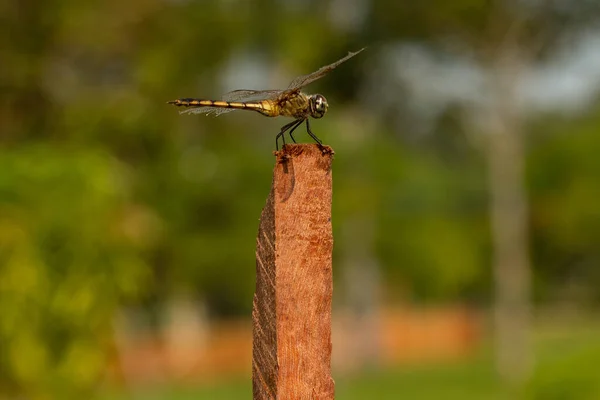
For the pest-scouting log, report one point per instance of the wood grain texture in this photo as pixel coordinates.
(292, 303)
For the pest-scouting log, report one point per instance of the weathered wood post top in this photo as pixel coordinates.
(292, 303)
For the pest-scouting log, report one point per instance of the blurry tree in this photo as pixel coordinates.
(503, 40)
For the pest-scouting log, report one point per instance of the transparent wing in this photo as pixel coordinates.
(216, 111)
(243, 95)
(304, 80)
(251, 95)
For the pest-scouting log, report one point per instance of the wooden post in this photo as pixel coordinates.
(292, 303)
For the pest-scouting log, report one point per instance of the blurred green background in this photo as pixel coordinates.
(119, 216)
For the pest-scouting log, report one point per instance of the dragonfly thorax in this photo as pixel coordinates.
(318, 105)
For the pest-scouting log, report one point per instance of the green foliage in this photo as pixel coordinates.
(431, 203)
(563, 175)
(70, 251)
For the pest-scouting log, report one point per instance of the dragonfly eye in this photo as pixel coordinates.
(318, 106)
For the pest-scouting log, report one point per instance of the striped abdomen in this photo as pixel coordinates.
(264, 107)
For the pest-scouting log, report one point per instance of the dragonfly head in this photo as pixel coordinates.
(318, 105)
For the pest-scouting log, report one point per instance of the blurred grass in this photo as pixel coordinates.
(567, 356)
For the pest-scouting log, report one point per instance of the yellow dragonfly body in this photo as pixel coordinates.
(291, 102)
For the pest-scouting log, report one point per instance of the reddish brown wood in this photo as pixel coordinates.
(292, 304)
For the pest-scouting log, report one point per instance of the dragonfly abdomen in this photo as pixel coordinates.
(264, 107)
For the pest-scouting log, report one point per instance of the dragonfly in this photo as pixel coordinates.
(290, 102)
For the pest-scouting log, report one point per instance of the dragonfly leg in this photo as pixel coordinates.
(312, 135)
(294, 128)
(283, 130)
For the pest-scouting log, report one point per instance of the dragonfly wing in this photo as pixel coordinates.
(216, 111)
(245, 95)
(304, 80)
